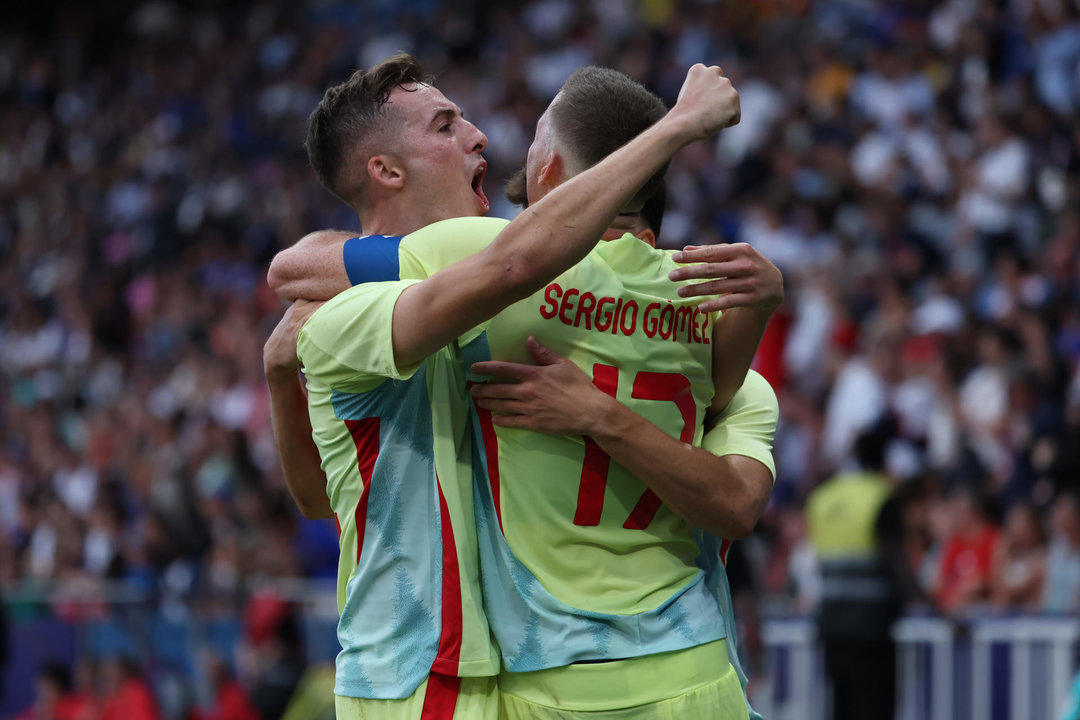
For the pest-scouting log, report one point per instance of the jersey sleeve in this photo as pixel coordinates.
(439, 245)
(348, 342)
(371, 259)
(748, 423)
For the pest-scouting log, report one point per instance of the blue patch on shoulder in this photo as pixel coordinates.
(372, 259)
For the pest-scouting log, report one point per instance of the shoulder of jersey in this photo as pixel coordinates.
(478, 224)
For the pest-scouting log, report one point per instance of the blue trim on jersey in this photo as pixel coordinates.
(372, 259)
(537, 631)
(392, 617)
(716, 580)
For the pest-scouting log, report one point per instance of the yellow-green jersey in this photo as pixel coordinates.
(580, 560)
(745, 427)
(396, 451)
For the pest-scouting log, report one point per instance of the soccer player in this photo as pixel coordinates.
(691, 599)
(396, 477)
(554, 396)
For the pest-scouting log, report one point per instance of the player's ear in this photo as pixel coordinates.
(552, 171)
(647, 236)
(383, 170)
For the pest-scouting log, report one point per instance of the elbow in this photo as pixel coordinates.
(277, 274)
(512, 281)
(740, 526)
(509, 275)
(285, 277)
(314, 510)
(733, 518)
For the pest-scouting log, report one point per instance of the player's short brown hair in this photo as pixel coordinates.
(598, 111)
(352, 112)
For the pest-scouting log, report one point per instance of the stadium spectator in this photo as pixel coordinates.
(1019, 562)
(125, 693)
(57, 699)
(966, 561)
(278, 664)
(1062, 591)
(231, 701)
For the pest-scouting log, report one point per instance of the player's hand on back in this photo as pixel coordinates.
(553, 397)
(738, 273)
(707, 102)
(279, 352)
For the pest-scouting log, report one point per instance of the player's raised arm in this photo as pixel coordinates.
(312, 269)
(722, 487)
(560, 229)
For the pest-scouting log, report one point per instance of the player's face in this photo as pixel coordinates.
(442, 154)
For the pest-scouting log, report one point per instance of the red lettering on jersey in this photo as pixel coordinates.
(672, 388)
(669, 313)
(584, 308)
(594, 470)
(669, 322)
(551, 301)
(604, 320)
(633, 318)
(649, 324)
(567, 304)
(681, 316)
(616, 316)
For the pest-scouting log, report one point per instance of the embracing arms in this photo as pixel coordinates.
(722, 487)
(546, 239)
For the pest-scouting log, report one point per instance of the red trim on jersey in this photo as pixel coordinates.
(441, 696)
(365, 433)
(337, 522)
(491, 452)
(446, 662)
(725, 547)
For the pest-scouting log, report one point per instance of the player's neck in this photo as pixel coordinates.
(389, 219)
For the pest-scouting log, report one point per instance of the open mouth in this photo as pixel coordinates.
(478, 186)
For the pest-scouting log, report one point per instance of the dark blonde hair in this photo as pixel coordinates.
(352, 112)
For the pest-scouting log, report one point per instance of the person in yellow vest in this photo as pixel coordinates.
(855, 527)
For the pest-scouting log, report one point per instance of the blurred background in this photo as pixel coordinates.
(912, 167)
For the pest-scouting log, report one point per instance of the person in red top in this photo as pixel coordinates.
(967, 560)
(55, 698)
(231, 701)
(127, 694)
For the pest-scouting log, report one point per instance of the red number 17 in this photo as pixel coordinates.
(666, 387)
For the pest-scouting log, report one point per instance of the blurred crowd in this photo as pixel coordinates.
(912, 167)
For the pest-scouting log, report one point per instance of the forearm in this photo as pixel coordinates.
(724, 495)
(312, 269)
(735, 341)
(299, 457)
